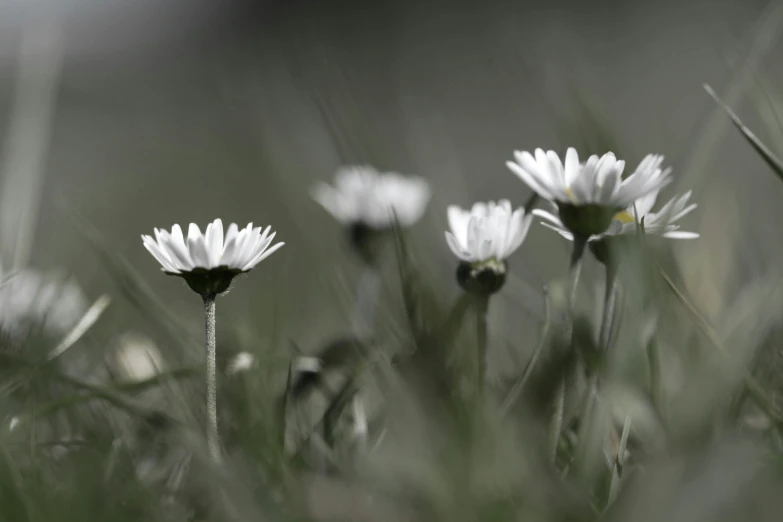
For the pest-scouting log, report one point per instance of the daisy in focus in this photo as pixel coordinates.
(367, 202)
(209, 261)
(483, 238)
(627, 222)
(588, 195)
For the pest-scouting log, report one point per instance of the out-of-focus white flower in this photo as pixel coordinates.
(137, 358)
(241, 362)
(487, 232)
(239, 250)
(209, 261)
(363, 196)
(588, 194)
(307, 364)
(627, 221)
(30, 299)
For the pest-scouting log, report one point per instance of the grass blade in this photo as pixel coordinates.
(769, 157)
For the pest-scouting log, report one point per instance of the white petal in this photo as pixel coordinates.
(548, 216)
(571, 166)
(174, 244)
(263, 256)
(251, 241)
(556, 167)
(565, 233)
(198, 250)
(531, 181)
(214, 242)
(458, 223)
(193, 232)
(456, 248)
(681, 235)
(159, 254)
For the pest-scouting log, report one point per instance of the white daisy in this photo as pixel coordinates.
(209, 261)
(626, 222)
(239, 250)
(487, 232)
(588, 194)
(363, 196)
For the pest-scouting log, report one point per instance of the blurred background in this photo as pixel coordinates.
(118, 117)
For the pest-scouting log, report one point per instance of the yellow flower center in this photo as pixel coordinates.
(624, 217)
(570, 194)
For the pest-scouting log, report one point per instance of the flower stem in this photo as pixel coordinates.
(575, 270)
(211, 371)
(366, 304)
(482, 304)
(610, 295)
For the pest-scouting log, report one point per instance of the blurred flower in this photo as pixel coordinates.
(588, 194)
(307, 364)
(241, 362)
(136, 358)
(363, 196)
(209, 261)
(483, 238)
(30, 299)
(626, 222)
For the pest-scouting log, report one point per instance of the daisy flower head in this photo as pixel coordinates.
(589, 194)
(626, 223)
(367, 202)
(362, 195)
(209, 261)
(483, 238)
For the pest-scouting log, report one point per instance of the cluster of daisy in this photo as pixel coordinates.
(589, 202)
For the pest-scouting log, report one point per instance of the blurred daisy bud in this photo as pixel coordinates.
(209, 262)
(241, 362)
(136, 358)
(482, 239)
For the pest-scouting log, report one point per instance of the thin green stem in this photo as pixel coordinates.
(482, 305)
(213, 442)
(656, 385)
(610, 300)
(556, 423)
(575, 271)
(367, 291)
(513, 394)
